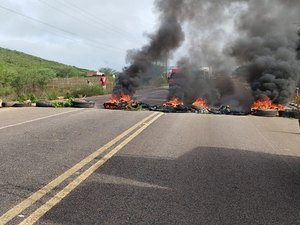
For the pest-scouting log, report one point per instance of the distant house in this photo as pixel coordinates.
(91, 73)
(99, 74)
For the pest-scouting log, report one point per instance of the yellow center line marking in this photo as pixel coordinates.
(57, 181)
(36, 215)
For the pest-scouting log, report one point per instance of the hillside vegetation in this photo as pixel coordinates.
(23, 74)
(26, 77)
(20, 62)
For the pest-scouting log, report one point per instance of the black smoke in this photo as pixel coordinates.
(167, 38)
(258, 36)
(192, 83)
(266, 48)
(298, 46)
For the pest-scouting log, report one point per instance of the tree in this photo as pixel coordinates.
(64, 71)
(31, 80)
(6, 75)
(108, 71)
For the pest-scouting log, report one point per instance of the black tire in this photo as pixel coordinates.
(44, 104)
(289, 114)
(266, 112)
(214, 111)
(8, 104)
(238, 113)
(22, 104)
(83, 104)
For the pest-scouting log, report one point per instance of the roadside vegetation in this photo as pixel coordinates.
(25, 77)
(28, 78)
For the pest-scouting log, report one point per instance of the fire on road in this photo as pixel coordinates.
(195, 167)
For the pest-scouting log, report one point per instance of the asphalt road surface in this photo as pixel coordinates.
(95, 166)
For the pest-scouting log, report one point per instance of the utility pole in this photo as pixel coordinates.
(298, 107)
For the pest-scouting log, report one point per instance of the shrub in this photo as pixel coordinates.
(52, 95)
(65, 103)
(87, 90)
(25, 97)
(5, 91)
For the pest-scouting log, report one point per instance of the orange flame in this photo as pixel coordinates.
(266, 103)
(113, 99)
(200, 102)
(121, 98)
(125, 98)
(174, 102)
(113, 102)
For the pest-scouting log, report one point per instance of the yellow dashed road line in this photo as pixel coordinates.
(36, 215)
(9, 215)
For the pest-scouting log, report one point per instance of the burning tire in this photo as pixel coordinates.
(266, 112)
(83, 104)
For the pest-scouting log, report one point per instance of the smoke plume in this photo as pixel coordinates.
(266, 48)
(256, 36)
(298, 45)
(168, 37)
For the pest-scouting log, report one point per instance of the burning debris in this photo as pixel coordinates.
(123, 102)
(199, 106)
(175, 105)
(168, 37)
(265, 107)
(266, 103)
(255, 39)
(269, 63)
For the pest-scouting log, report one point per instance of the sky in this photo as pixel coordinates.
(89, 34)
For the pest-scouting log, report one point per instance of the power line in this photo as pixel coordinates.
(96, 44)
(36, 20)
(68, 14)
(99, 21)
(59, 10)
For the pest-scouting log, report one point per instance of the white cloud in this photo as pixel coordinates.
(88, 34)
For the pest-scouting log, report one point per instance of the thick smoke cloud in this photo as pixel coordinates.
(168, 37)
(298, 45)
(266, 48)
(257, 36)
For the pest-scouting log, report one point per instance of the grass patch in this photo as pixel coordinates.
(64, 103)
(25, 97)
(87, 91)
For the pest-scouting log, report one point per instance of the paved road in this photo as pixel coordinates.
(152, 96)
(168, 169)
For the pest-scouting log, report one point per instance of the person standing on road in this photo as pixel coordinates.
(103, 81)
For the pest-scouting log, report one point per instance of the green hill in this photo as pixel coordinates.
(21, 73)
(22, 63)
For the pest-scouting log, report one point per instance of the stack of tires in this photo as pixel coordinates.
(81, 103)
